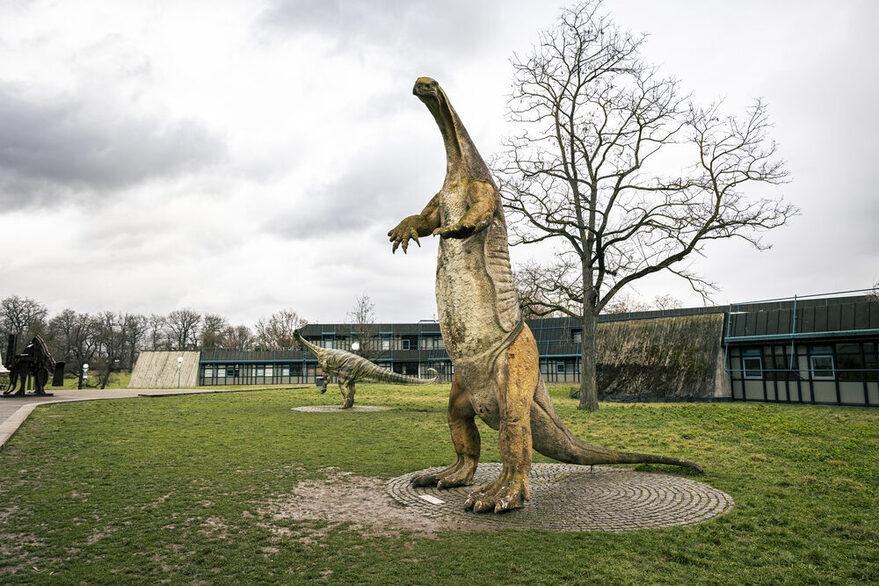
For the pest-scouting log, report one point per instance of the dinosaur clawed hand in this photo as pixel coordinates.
(459, 230)
(508, 492)
(458, 474)
(405, 231)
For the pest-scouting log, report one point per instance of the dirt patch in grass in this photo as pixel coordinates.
(17, 549)
(216, 527)
(344, 498)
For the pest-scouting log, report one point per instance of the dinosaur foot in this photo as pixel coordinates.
(458, 474)
(508, 492)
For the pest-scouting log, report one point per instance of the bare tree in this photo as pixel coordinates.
(276, 331)
(213, 330)
(156, 327)
(667, 302)
(239, 336)
(77, 333)
(617, 167)
(60, 334)
(529, 279)
(112, 341)
(182, 327)
(134, 327)
(364, 330)
(625, 303)
(23, 316)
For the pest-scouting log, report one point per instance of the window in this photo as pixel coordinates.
(221, 372)
(327, 343)
(386, 343)
(752, 366)
(260, 370)
(231, 370)
(285, 370)
(270, 370)
(406, 344)
(850, 363)
(577, 336)
(431, 342)
(872, 362)
(752, 363)
(560, 367)
(208, 372)
(822, 367)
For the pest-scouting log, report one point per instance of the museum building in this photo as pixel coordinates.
(816, 349)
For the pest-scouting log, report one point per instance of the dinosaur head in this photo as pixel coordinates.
(427, 89)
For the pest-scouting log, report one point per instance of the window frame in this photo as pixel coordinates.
(813, 370)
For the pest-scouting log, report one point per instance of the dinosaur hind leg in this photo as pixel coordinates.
(465, 437)
(347, 388)
(517, 376)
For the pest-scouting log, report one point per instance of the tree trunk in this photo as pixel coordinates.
(105, 378)
(588, 378)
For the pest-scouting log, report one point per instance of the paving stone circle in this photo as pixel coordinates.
(567, 497)
(338, 409)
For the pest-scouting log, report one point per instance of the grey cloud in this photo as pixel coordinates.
(388, 181)
(452, 27)
(75, 145)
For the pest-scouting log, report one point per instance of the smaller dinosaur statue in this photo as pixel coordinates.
(35, 361)
(350, 368)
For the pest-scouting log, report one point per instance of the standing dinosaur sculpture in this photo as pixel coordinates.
(493, 351)
(350, 368)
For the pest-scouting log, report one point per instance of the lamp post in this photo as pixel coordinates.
(85, 374)
(179, 366)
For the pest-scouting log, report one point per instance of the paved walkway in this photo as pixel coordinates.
(14, 410)
(566, 497)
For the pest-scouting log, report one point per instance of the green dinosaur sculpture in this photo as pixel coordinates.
(350, 368)
(493, 351)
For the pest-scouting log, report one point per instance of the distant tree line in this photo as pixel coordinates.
(109, 341)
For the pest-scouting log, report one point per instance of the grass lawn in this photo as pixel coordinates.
(178, 488)
(117, 380)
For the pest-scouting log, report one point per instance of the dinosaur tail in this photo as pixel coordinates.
(551, 438)
(384, 375)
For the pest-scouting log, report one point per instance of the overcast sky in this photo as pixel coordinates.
(246, 157)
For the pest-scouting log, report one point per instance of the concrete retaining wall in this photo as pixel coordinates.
(157, 370)
(674, 357)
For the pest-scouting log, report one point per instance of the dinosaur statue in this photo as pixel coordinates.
(493, 351)
(350, 368)
(35, 361)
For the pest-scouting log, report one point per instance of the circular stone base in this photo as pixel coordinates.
(338, 409)
(566, 497)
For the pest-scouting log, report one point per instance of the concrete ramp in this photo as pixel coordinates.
(158, 370)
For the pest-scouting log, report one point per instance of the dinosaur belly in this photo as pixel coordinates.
(465, 298)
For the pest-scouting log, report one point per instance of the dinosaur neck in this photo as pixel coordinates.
(314, 349)
(461, 155)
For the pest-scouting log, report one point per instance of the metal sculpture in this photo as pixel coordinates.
(35, 362)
